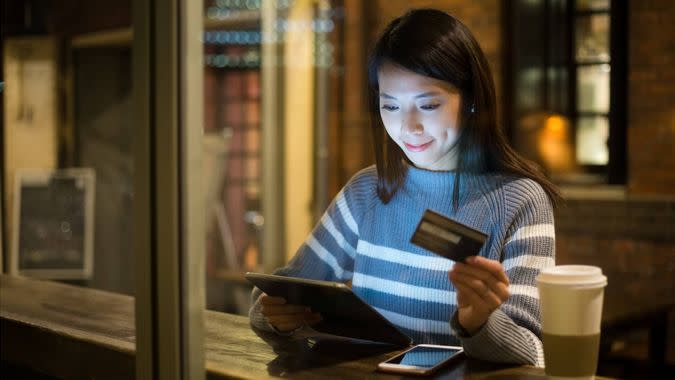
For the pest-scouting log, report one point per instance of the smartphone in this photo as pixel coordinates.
(422, 359)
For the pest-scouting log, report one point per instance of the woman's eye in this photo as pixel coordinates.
(429, 107)
(388, 107)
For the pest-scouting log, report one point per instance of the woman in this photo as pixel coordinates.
(437, 146)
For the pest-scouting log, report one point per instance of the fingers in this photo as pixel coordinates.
(498, 290)
(286, 317)
(487, 301)
(482, 286)
(269, 300)
(501, 290)
(278, 306)
(284, 309)
(290, 322)
(285, 327)
(478, 285)
(461, 298)
(494, 268)
(294, 318)
(481, 282)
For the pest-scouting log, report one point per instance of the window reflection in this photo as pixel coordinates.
(103, 126)
(68, 117)
(592, 4)
(592, 135)
(592, 38)
(593, 88)
(232, 149)
(294, 60)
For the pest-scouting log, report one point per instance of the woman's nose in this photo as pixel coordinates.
(411, 125)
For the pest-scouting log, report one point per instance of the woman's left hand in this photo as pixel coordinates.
(482, 286)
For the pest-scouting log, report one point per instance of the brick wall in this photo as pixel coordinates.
(632, 240)
(651, 97)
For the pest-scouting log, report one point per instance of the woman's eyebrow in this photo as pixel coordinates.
(428, 94)
(422, 95)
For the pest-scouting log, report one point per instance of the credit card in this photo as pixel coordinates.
(446, 237)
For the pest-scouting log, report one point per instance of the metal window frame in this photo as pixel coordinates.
(615, 171)
(168, 233)
(272, 176)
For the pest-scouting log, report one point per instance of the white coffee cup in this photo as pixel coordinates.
(571, 312)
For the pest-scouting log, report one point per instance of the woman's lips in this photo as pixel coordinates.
(417, 148)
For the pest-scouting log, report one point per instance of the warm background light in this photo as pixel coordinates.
(554, 144)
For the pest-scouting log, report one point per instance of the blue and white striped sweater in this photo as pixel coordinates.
(362, 240)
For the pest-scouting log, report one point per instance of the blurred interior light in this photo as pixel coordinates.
(554, 144)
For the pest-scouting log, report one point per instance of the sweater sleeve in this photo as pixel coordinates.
(512, 334)
(328, 252)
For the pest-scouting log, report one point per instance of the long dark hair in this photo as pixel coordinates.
(434, 44)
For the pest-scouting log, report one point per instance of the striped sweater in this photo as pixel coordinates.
(362, 240)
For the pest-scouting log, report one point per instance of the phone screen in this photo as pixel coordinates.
(425, 357)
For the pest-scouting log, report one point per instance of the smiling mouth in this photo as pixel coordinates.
(417, 148)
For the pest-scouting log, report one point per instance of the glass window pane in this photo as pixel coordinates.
(593, 88)
(596, 5)
(592, 38)
(234, 112)
(68, 133)
(253, 140)
(253, 113)
(105, 145)
(529, 83)
(592, 135)
(285, 47)
(232, 108)
(558, 87)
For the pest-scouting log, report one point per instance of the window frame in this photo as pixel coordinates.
(559, 97)
(167, 74)
(615, 170)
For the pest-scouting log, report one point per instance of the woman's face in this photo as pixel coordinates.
(420, 114)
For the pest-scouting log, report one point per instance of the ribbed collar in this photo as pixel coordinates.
(429, 179)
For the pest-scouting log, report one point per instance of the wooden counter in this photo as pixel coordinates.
(74, 332)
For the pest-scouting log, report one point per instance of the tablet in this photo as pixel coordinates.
(344, 313)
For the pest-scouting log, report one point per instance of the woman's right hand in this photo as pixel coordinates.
(286, 317)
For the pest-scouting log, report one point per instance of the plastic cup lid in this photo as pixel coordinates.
(572, 275)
